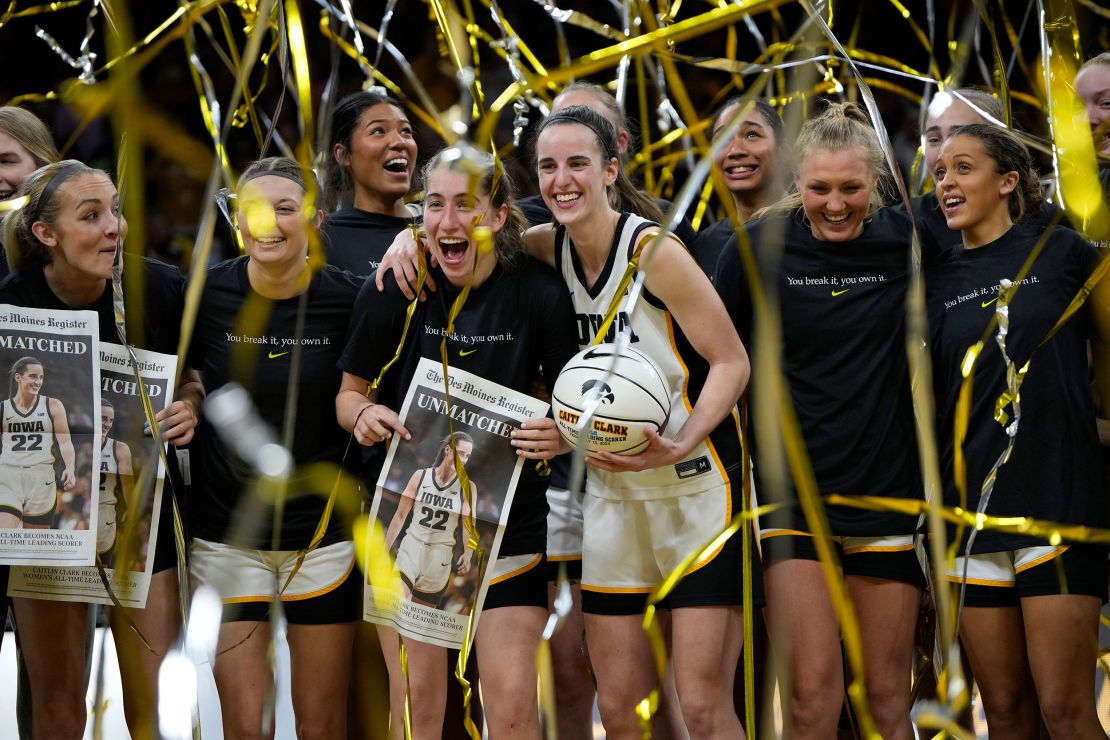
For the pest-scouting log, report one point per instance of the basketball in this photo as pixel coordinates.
(630, 393)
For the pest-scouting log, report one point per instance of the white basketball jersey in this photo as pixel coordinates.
(435, 513)
(109, 473)
(653, 333)
(28, 439)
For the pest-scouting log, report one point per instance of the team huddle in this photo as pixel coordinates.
(787, 324)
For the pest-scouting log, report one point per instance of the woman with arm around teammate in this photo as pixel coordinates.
(521, 309)
(646, 499)
(61, 245)
(841, 283)
(367, 171)
(240, 547)
(1031, 609)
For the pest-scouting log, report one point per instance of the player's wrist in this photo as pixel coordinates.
(362, 411)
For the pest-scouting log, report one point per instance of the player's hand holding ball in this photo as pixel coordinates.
(630, 403)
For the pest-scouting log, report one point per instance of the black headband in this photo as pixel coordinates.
(297, 177)
(59, 179)
(592, 120)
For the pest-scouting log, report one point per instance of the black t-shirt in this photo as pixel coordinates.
(529, 306)
(843, 308)
(160, 293)
(709, 244)
(355, 240)
(261, 360)
(1054, 471)
(537, 212)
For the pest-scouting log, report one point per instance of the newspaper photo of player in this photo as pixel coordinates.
(48, 482)
(130, 487)
(432, 516)
(433, 510)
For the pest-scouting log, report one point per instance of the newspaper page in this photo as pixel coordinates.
(48, 432)
(422, 507)
(129, 458)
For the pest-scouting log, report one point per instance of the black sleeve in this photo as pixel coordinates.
(195, 353)
(685, 231)
(709, 243)
(731, 282)
(1087, 254)
(535, 210)
(165, 302)
(377, 323)
(554, 326)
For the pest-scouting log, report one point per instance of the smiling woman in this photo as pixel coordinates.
(367, 171)
(751, 165)
(643, 513)
(62, 244)
(523, 308)
(25, 145)
(1031, 606)
(840, 273)
(304, 322)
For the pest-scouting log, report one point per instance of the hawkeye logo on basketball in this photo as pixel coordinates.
(589, 324)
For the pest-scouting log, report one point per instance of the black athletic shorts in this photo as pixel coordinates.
(891, 558)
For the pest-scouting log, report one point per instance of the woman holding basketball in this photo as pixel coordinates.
(841, 281)
(688, 474)
(685, 474)
(1031, 607)
(525, 307)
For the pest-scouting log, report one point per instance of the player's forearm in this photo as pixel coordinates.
(65, 446)
(723, 386)
(191, 391)
(348, 405)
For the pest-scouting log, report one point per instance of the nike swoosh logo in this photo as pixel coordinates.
(836, 293)
(595, 352)
(275, 355)
(465, 352)
(987, 303)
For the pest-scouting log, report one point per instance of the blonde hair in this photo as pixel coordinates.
(43, 202)
(840, 126)
(31, 134)
(1097, 59)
